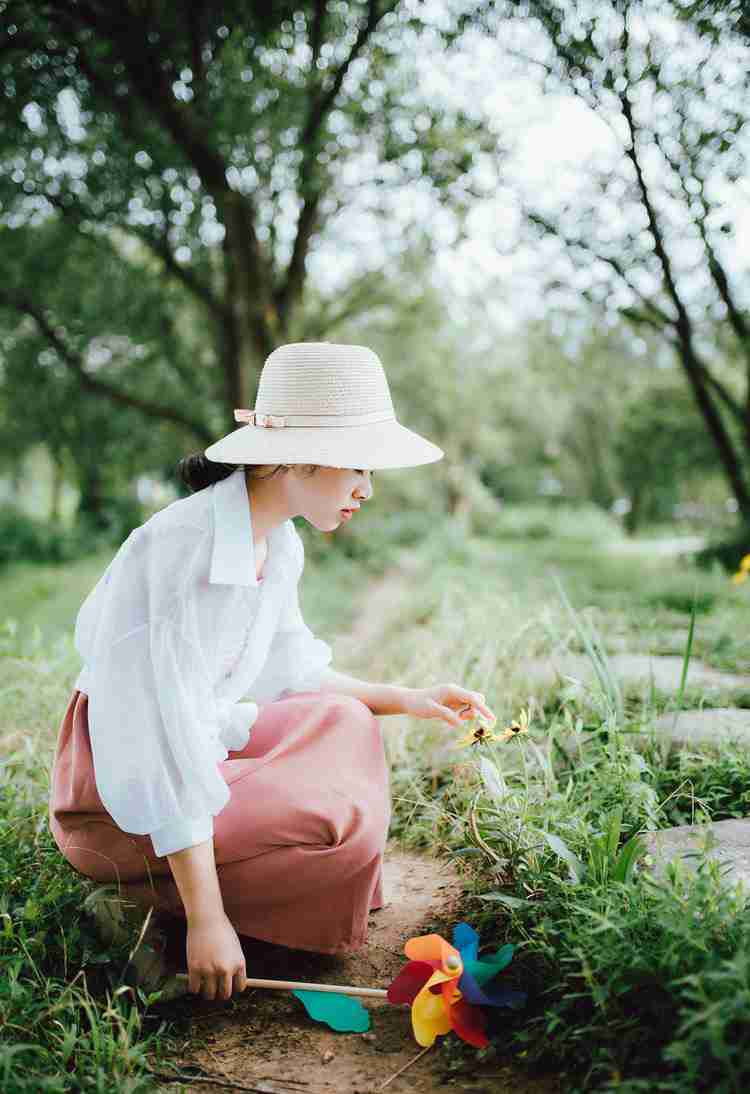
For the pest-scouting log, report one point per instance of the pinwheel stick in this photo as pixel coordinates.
(293, 985)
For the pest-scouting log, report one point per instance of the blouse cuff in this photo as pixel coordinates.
(178, 834)
(235, 720)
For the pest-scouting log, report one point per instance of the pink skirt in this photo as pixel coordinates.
(299, 845)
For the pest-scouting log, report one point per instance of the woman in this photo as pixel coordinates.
(210, 758)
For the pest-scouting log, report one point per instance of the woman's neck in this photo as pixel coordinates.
(267, 509)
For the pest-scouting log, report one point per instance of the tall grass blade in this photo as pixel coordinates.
(597, 656)
(688, 651)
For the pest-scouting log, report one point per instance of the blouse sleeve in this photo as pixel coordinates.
(153, 718)
(296, 660)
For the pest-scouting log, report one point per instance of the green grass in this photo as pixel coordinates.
(632, 985)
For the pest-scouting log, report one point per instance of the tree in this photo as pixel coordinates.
(204, 147)
(660, 448)
(655, 236)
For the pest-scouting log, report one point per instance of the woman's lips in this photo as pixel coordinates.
(347, 513)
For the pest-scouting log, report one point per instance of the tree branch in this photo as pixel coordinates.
(659, 316)
(310, 193)
(72, 359)
(159, 246)
(696, 371)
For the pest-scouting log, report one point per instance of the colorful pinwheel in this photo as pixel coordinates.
(447, 986)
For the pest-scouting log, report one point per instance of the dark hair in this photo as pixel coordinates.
(197, 472)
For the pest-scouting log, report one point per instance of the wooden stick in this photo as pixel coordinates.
(400, 1071)
(293, 985)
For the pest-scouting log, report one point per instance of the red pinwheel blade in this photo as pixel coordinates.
(409, 982)
(469, 1023)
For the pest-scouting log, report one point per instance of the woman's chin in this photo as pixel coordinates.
(330, 526)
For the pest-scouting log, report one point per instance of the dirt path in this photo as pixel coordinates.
(268, 1036)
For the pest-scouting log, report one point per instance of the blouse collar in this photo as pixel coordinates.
(233, 555)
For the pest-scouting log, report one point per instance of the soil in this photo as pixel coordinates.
(264, 1039)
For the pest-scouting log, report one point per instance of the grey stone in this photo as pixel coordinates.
(666, 671)
(701, 727)
(732, 848)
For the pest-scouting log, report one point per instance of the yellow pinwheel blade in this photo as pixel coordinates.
(429, 1014)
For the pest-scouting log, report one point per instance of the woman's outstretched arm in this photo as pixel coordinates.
(452, 702)
(380, 698)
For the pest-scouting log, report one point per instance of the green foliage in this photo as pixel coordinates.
(635, 983)
(25, 538)
(28, 539)
(662, 443)
(727, 551)
(694, 784)
(554, 521)
(643, 980)
(67, 1022)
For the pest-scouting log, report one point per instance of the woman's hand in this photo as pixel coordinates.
(216, 963)
(448, 701)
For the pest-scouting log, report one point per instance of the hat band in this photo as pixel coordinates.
(256, 417)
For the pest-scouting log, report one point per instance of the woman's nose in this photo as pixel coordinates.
(361, 495)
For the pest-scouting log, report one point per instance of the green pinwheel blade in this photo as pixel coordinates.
(483, 969)
(338, 1011)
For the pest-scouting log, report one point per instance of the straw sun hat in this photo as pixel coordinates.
(323, 403)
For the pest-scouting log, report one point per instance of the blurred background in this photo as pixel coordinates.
(536, 213)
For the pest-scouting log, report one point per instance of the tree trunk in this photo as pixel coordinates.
(58, 479)
(730, 460)
(91, 502)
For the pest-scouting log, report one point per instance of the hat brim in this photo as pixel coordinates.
(379, 445)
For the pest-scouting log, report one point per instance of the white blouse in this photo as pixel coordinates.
(174, 635)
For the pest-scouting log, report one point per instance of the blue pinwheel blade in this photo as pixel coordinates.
(466, 941)
(494, 995)
(338, 1011)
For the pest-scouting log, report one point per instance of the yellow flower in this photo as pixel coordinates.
(739, 577)
(745, 562)
(478, 735)
(521, 726)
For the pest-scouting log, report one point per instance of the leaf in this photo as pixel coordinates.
(504, 898)
(339, 1011)
(563, 851)
(613, 830)
(626, 860)
(493, 781)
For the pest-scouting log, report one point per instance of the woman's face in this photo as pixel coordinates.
(322, 495)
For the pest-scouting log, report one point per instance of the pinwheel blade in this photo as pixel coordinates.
(429, 1016)
(338, 1011)
(469, 1023)
(486, 968)
(492, 995)
(466, 941)
(409, 982)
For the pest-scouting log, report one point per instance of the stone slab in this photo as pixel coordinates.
(666, 671)
(702, 727)
(732, 848)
